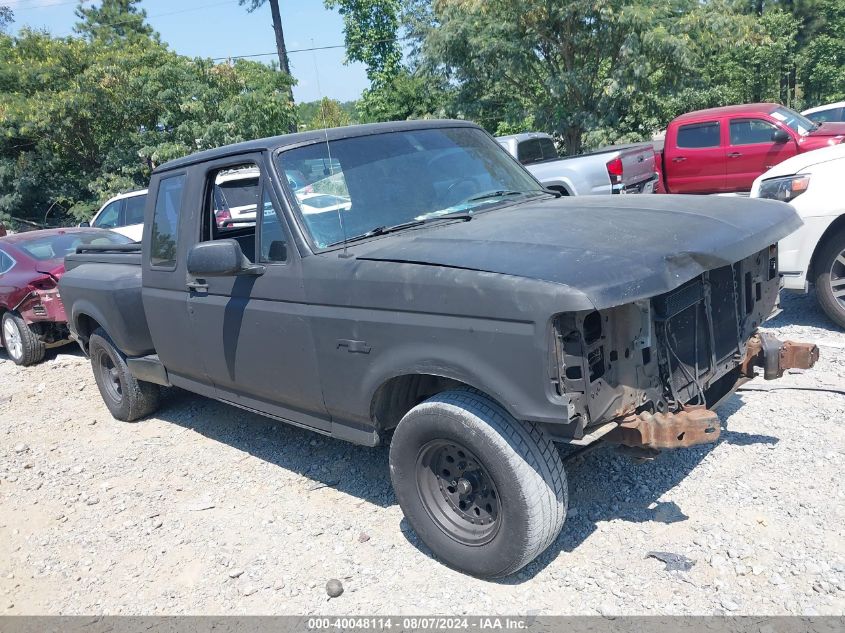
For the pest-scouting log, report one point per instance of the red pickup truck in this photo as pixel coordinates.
(722, 150)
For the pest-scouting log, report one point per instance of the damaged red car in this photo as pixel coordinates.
(31, 312)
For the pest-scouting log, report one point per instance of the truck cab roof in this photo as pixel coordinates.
(311, 136)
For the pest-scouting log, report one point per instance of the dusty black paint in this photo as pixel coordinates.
(326, 341)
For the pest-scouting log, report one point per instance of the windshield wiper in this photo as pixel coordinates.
(383, 230)
(502, 193)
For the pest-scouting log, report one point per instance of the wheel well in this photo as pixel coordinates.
(560, 189)
(85, 326)
(837, 226)
(399, 395)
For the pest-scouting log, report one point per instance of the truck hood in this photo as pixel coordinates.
(614, 250)
(832, 128)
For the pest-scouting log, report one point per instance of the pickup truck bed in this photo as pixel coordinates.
(627, 168)
(95, 270)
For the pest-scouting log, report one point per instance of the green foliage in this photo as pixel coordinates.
(112, 21)
(6, 17)
(325, 114)
(821, 64)
(371, 35)
(84, 118)
(406, 95)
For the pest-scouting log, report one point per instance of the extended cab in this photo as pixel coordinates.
(722, 150)
(618, 169)
(441, 299)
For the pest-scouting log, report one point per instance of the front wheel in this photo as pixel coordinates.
(21, 343)
(486, 492)
(127, 398)
(829, 266)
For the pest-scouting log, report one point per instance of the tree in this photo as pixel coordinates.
(6, 17)
(329, 113)
(113, 20)
(84, 118)
(278, 30)
(572, 68)
(371, 30)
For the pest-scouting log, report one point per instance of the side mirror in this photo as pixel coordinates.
(84, 225)
(780, 136)
(220, 258)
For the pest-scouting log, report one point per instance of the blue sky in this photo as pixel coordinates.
(218, 28)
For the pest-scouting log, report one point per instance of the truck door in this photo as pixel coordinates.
(694, 159)
(164, 269)
(755, 147)
(252, 332)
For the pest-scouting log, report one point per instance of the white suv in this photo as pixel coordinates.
(815, 253)
(123, 214)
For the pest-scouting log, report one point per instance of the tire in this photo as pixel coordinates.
(829, 269)
(127, 398)
(485, 492)
(21, 343)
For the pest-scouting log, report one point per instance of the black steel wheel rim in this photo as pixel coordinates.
(457, 492)
(837, 279)
(111, 377)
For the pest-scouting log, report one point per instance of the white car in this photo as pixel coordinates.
(825, 113)
(236, 195)
(815, 253)
(122, 214)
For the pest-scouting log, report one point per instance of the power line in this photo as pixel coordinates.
(17, 8)
(157, 15)
(305, 50)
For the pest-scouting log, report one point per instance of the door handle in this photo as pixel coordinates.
(197, 286)
(734, 154)
(679, 159)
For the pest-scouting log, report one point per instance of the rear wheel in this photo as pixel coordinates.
(21, 343)
(829, 266)
(127, 398)
(486, 492)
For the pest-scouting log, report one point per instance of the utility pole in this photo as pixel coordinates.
(281, 49)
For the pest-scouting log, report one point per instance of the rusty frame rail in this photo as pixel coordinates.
(775, 356)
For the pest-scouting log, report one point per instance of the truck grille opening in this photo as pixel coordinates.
(699, 329)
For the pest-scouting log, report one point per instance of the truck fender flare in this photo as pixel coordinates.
(83, 308)
(560, 183)
(451, 364)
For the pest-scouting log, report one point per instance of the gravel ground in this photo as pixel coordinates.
(207, 510)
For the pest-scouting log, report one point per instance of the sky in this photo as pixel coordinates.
(220, 28)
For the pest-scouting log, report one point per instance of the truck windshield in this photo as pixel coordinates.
(351, 187)
(798, 122)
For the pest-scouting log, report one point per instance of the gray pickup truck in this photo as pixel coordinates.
(609, 170)
(417, 285)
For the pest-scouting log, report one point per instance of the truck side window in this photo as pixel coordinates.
(699, 135)
(165, 229)
(751, 132)
(232, 209)
(273, 240)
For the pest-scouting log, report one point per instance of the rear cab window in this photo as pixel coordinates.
(699, 135)
(536, 150)
(165, 229)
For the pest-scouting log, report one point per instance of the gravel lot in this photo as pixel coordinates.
(207, 510)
